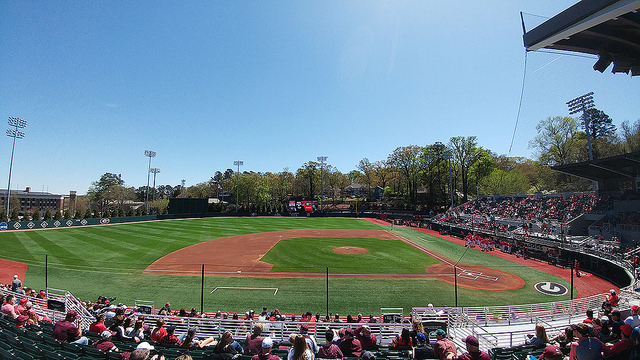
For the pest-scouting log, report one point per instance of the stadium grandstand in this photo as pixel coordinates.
(599, 230)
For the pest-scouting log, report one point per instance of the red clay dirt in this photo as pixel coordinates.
(350, 250)
(586, 285)
(9, 268)
(240, 256)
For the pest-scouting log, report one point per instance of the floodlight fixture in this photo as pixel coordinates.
(15, 123)
(155, 171)
(582, 104)
(322, 160)
(150, 154)
(237, 163)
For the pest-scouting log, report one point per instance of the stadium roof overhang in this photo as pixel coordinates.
(607, 28)
(624, 167)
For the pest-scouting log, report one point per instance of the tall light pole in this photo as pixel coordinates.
(582, 104)
(154, 171)
(237, 163)
(150, 154)
(447, 155)
(322, 159)
(17, 123)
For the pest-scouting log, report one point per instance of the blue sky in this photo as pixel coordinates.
(272, 83)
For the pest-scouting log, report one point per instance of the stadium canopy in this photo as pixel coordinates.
(614, 173)
(607, 28)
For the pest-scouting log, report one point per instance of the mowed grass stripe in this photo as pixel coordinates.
(314, 254)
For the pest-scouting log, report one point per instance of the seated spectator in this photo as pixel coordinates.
(253, 342)
(33, 318)
(423, 349)
(552, 352)
(190, 341)
(589, 318)
(66, 331)
(402, 340)
(417, 328)
(19, 309)
(443, 348)
(625, 343)
(633, 319)
(226, 344)
(8, 306)
(367, 339)
(473, 350)
(137, 331)
(119, 328)
(159, 331)
(105, 343)
(170, 338)
(265, 351)
(349, 345)
(98, 326)
(300, 349)
(586, 347)
(540, 339)
(21, 321)
(311, 340)
(329, 350)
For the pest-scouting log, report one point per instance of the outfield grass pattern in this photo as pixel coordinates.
(108, 261)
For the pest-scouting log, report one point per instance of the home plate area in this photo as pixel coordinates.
(476, 275)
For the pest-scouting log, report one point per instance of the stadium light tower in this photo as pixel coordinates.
(150, 154)
(16, 123)
(322, 160)
(582, 104)
(447, 155)
(237, 163)
(155, 171)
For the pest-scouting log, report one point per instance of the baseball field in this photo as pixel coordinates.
(294, 264)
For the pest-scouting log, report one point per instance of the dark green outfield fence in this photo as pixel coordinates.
(65, 223)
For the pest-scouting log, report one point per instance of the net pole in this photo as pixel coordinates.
(327, 291)
(202, 292)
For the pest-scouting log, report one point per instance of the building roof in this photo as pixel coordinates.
(625, 167)
(607, 28)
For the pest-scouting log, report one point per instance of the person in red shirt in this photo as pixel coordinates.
(170, 338)
(98, 326)
(159, 331)
(473, 350)
(367, 339)
(253, 342)
(66, 331)
(625, 343)
(265, 351)
(105, 343)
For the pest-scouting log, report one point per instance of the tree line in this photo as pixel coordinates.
(412, 177)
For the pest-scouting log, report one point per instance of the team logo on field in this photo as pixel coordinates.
(552, 289)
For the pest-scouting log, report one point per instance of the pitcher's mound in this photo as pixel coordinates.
(350, 250)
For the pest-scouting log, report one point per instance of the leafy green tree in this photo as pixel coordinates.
(36, 215)
(307, 177)
(131, 212)
(78, 214)
(139, 211)
(504, 182)
(57, 215)
(106, 213)
(557, 142)
(465, 154)
(631, 135)
(406, 160)
(3, 215)
(102, 191)
(88, 214)
(368, 174)
(15, 215)
(47, 214)
(67, 214)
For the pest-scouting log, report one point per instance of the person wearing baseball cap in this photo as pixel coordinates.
(587, 346)
(473, 350)
(443, 348)
(265, 351)
(625, 343)
(552, 352)
(422, 350)
(66, 331)
(633, 319)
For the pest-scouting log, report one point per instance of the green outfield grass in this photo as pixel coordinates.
(108, 261)
(311, 254)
